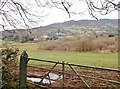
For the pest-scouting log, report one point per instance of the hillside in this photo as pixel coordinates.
(69, 28)
(100, 22)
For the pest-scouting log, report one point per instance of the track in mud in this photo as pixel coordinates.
(93, 77)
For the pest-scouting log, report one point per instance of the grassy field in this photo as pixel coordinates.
(87, 58)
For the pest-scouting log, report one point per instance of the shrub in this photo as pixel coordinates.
(85, 43)
(9, 68)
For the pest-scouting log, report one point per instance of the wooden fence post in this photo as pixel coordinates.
(23, 69)
(63, 70)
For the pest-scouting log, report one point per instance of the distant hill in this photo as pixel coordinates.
(71, 27)
(86, 22)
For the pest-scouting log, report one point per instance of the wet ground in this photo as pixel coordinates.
(92, 77)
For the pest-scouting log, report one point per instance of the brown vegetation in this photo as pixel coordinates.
(10, 70)
(85, 43)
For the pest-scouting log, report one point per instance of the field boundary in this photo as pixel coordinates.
(23, 71)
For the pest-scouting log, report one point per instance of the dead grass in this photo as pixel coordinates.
(82, 44)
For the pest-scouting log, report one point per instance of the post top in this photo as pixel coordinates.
(24, 54)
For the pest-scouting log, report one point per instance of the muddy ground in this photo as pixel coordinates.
(94, 78)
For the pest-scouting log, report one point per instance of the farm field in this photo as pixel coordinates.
(83, 58)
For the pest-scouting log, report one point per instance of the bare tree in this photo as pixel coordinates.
(105, 7)
(18, 12)
(15, 13)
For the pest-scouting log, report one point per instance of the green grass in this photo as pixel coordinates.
(87, 58)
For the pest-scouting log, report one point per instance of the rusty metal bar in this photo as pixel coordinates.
(53, 67)
(43, 60)
(78, 65)
(101, 68)
(91, 77)
(79, 76)
(49, 72)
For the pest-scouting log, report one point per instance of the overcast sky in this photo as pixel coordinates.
(54, 15)
(60, 16)
(57, 15)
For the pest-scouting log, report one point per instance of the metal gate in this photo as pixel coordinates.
(82, 73)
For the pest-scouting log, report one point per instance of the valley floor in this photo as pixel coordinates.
(84, 58)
